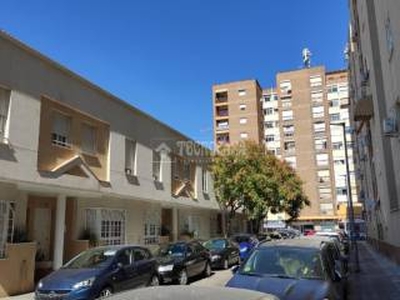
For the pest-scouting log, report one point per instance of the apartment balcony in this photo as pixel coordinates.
(221, 98)
(222, 128)
(289, 152)
(364, 109)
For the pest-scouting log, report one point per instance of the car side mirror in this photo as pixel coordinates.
(234, 269)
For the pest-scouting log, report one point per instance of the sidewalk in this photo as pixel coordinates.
(28, 296)
(378, 279)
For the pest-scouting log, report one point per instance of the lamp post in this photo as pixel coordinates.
(350, 211)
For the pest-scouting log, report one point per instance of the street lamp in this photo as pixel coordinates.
(350, 211)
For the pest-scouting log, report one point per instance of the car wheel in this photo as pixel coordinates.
(183, 277)
(154, 281)
(207, 270)
(105, 292)
(226, 264)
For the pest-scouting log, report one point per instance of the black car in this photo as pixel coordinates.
(224, 253)
(293, 269)
(100, 272)
(181, 260)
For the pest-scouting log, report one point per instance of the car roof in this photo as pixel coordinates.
(303, 242)
(192, 293)
(117, 247)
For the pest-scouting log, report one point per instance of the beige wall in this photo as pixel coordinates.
(254, 127)
(50, 155)
(17, 269)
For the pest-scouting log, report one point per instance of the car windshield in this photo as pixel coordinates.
(96, 258)
(215, 244)
(288, 262)
(172, 250)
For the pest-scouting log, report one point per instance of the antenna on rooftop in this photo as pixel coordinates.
(306, 57)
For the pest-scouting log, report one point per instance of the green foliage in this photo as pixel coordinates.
(247, 177)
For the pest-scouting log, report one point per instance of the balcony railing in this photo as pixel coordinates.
(222, 127)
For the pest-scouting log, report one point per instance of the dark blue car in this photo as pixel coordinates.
(293, 269)
(100, 272)
(246, 243)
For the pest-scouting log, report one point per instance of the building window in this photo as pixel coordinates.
(318, 111)
(221, 97)
(242, 92)
(319, 127)
(337, 145)
(321, 144)
(108, 225)
(152, 227)
(4, 111)
(269, 124)
(242, 107)
(335, 117)
(291, 161)
(243, 121)
(88, 139)
(130, 157)
(315, 81)
(244, 135)
(286, 87)
(322, 159)
(288, 131)
(269, 138)
(389, 38)
(286, 103)
(60, 135)
(290, 147)
(7, 216)
(339, 162)
(157, 166)
(341, 191)
(204, 180)
(334, 103)
(287, 115)
(269, 111)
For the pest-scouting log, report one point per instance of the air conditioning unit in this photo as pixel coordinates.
(390, 128)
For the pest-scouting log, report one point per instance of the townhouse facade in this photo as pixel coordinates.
(374, 64)
(80, 166)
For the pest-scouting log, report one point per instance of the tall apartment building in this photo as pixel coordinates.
(237, 112)
(74, 158)
(298, 114)
(374, 63)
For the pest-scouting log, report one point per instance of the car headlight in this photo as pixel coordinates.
(84, 283)
(40, 285)
(215, 257)
(244, 249)
(165, 268)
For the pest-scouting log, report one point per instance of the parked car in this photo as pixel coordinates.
(182, 260)
(292, 269)
(100, 272)
(224, 253)
(246, 243)
(191, 292)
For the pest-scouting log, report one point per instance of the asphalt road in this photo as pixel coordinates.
(218, 278)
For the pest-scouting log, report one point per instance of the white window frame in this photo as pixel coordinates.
(58, 138)
(242, 92)
(243, 121)
(152, 227)
(7, 220)
(157, 166)
(89, 148)
(287, 115)
(242, 107)
(244, 135)
(131, 156)
(105, 233)
(4, 125)
(204, 180)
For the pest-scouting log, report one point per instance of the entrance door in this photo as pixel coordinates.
(41, 232)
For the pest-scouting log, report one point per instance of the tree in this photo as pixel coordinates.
(249, 178)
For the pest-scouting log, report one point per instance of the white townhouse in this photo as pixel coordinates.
(77, 162)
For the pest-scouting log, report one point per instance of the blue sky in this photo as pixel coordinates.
(163, 56)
